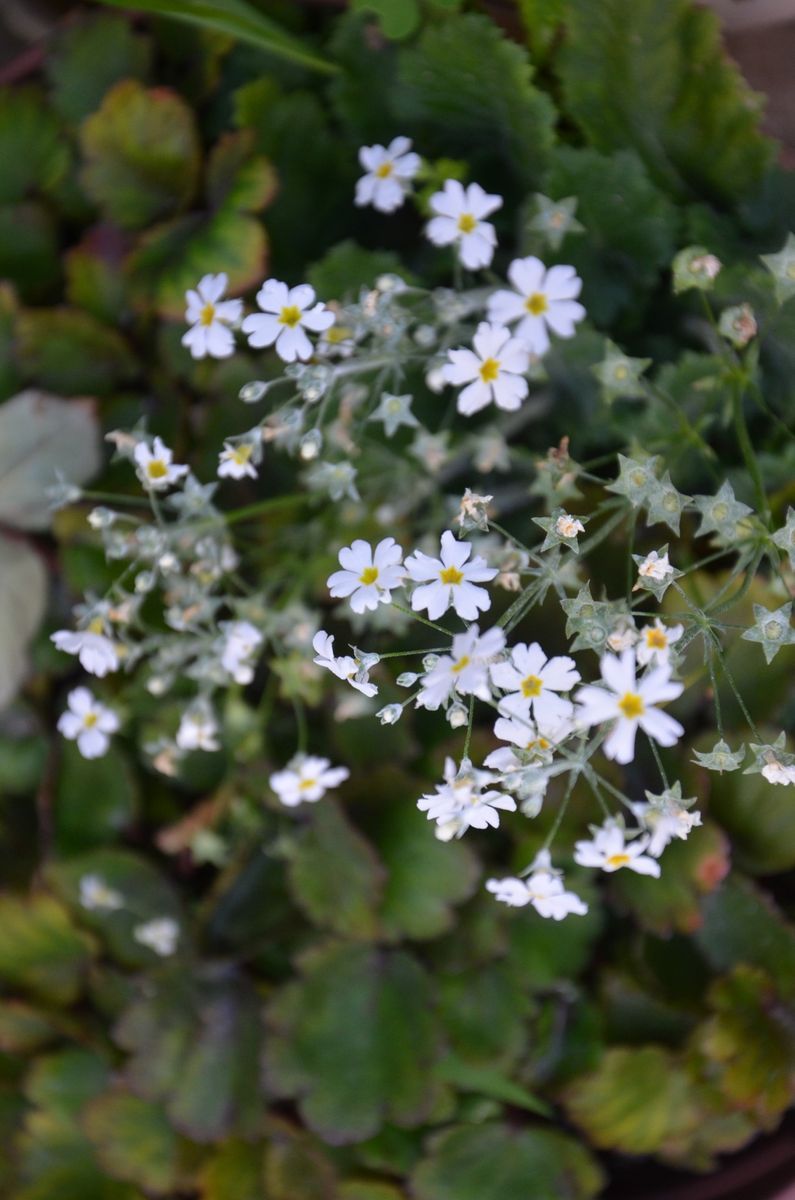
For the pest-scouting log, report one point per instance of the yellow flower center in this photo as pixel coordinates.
(156, 469)
(536, 304)
(290, 315)
(337, 334)
(96, 626)
(207, 315)
(368, 575)
(90, 720)
(531, 685)
(462, 662)
(621, 372)
(306, 784)
(466, 222)
(539, 743)
(618, 860)
(632, 706)
(451, 575)
(489, 370)
(384, 171)
(656, 639)
(241, 454)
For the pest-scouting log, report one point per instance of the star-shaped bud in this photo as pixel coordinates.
(620, 375)
(473, 511)
(561, 529)
(738, 325)
(785, 537)
(593, 621)
(695, 267)
(772, 629)
(665, 503)
(720, 758)
(720, 513)
(555, 476)
(655, 572)
(782, 268)
(394, 411)
(773, 761)
(554, 219)
(637, 479)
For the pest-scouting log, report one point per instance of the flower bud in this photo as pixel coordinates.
(390, 714)
(407, 679)
(457, 716)
(251, 392)
(310, 445)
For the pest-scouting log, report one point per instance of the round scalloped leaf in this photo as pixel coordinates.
(33, 151)
(133, 1140)
(94, 274)
(236, 177)
(397, 18)
(142, 154)
(28, 248)
(297, 1166)
(40, 950)
(23, 599)
(353, 1041)
(88, 56)
(24, 1029)
(494, 1162)
(233, 1173)
(68, 351)
(742, 924)
(95, 799)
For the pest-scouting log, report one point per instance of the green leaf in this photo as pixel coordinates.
(360, 1189)
(235, 19)
(397, 18)
(95, 799)
(133, 1141)
(28, 249)
(297, 1166)
(32, 148)
(335, 876)
(88, 56)
(67, 351)
(758, 816)
(628, 78)
(237, 178)
(489, 1081)
(142, 154)
(23, 600)
(94, 274)
(23, 1029)
(690, 870)
(543, 952)
(347, 267)
(195, 1046)
(466, 91)
(233, 1173)
(40, 435)
(742, 925)
(543, 21)
(145, 891)
(485, 1013)
(40, 950)
(495, 1162)
(353, 1040)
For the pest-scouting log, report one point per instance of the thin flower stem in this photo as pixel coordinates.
(730, 680)
(564, 804)
(658, 761)
(423, 620)
(710, 655)
(470, 723)
(300, 720)
(748, 452)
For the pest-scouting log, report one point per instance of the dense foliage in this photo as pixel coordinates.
(348, 1013)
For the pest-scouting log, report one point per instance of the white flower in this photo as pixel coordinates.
(198, 728)
(95, 652)
(465, 671)
(161, 935)
(307, 778)
(88, 723)
(345, 667)
(286, 313)
(655, 566)
(543, 299)
(609, 851)
(390, 170)
(493, 371)
(544, 889)
(533, 682)
(538, 738)
(210, 317)
(777, 772)
(235, 461)
(450, 580)
(368, 576)
(630, 704)
(155, 468)
(655, 642)
(461, 799)
(239, 647)
(459, 218)
(96, 894)
(567, 526)
(665, 820)
(624, 636)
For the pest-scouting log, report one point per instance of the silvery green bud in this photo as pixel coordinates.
(390, 714)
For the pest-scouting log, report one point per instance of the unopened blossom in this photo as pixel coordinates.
(609, 850)
(343, 666)
(465, 671)
(623, 637)
(655, 566)
(541, 300)
(88, 723)
(567, 526)
(473, 511)
(389, 172)
(198, 729)
(630, 705)
(543, 889)
(210, 317)
(96, 653)
(665, 817)
(738, 325)
(459, 218)
(655, 641)
(235, 462)
(466, 799)
(239, 648)
(96, 895)
(450, 581)
(368, 576)
(161, 935)
(534, 683)
(155, 466)
(393, 412)
(306, 779)
(493, 371)
(286, 315)
(775, 771)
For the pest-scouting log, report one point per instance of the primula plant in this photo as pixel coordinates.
(462, 584)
